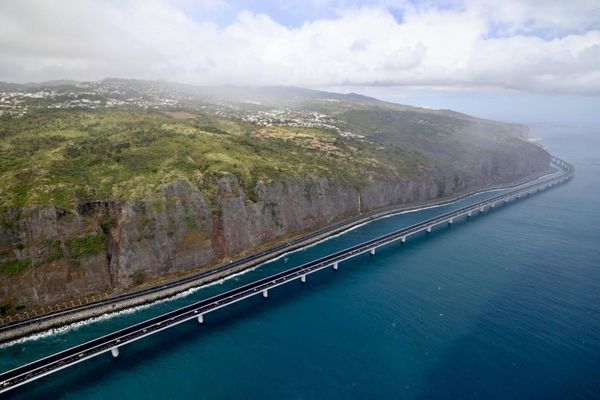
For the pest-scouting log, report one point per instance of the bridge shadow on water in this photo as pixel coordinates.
(68, 382)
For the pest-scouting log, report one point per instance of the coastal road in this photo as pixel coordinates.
(39, 323)
(112, 342)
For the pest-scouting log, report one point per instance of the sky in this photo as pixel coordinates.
(531, 61)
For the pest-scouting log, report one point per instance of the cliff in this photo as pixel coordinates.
(108, 246)
(98, 202)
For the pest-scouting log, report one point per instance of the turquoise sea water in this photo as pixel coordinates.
(503, 306)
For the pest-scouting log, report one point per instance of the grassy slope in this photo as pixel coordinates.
(455, 140)
(61, 157)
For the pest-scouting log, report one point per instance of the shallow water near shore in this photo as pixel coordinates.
(505, 305)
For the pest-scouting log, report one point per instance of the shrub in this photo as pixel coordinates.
(139, 278)
(86, 246)
(107, 224)
(56, 252)
(13, 267)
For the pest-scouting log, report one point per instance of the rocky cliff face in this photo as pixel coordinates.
(50, 255)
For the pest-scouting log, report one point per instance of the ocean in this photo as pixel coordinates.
(503, 306)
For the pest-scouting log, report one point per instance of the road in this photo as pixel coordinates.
(198, 278)
(112, 342)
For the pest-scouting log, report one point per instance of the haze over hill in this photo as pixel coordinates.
(392, 132)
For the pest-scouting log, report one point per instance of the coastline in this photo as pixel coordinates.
(86, 313)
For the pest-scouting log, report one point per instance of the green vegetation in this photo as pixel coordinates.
(191, 223)
(65, 157)
(56, 251)
(86, 246)
(107, 223)
(139, 278)
(8, 307)
(13, 267)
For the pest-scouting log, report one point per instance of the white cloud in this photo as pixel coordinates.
(541, 46)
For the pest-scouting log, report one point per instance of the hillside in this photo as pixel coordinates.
(65, 157)
(113, 184)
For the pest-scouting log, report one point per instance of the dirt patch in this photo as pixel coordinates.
(181, 115)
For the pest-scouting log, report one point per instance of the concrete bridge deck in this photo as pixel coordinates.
(114, 341)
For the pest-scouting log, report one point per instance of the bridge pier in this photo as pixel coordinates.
(469, 214)
(451, 221)
(335, 266)
(113, 342)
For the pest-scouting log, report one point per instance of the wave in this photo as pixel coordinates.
(76, 325)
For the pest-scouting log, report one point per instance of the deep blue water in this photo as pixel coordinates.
(503, 306)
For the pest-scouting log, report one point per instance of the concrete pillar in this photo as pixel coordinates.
(403, 239)
(429, 229)
(451, 221)
(115, 352)
(493, 205)
(335, 266)
(469, 214)
(200, 318)
(265, 293)
(303, 279)
(372, 251)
